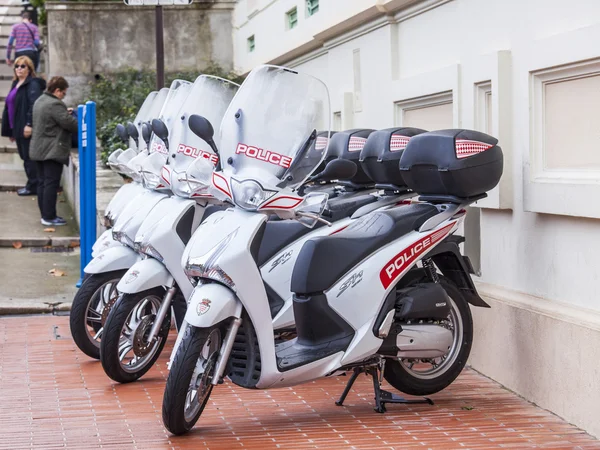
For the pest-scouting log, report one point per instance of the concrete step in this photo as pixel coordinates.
(6, 147)
(5, 69)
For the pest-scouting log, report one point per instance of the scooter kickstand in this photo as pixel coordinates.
(357, 371)
(382, 396)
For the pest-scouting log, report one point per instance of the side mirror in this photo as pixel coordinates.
(122, 133)
(146, 133)
(337, 169)
(161, 130)
(201, 127)
(133, 132)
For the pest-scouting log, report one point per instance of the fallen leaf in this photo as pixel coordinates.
(56, 273)
(73, 244)
(49, 230)
(17, 244)
(467, 408)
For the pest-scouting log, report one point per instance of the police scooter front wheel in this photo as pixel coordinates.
(125, 352)
(90, 308)
(189, 384)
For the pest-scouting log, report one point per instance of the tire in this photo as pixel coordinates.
(410, 382)
(126, 325)
(193, 360)
(85, 320)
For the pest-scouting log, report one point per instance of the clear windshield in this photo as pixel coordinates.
(153, 113)
(209, 97)
(178, 92)
(271, 125)
(142, 114)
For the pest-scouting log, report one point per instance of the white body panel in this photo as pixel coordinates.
(119, 257)
(137, 210)
(166, 241)
(145, 274)
(121, 198)
(104, 242)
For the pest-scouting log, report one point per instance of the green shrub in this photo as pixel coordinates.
(118, 97)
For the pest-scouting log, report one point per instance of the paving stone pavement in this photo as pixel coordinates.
(55, 397)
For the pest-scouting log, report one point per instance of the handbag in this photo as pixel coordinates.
(40, 46)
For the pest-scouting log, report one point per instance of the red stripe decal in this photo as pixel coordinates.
(408, 256)
(221, 177)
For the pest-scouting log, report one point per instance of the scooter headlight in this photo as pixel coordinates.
(206, 266)
(249, 194)
(150, 180)
(121, 236)
(149, 250)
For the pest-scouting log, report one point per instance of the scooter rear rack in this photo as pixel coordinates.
(381, 395)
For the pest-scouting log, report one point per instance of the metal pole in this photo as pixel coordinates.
(160, 49)
(82, 183)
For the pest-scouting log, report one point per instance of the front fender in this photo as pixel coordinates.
(210, 304)
(114, 258)
(143, 275)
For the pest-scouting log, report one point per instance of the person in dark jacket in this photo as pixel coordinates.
(50, 145)
(16, 118)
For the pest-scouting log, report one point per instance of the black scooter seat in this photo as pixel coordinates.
(324, 260)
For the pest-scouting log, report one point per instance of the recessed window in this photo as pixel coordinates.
(292, 18)
(251, 43)
(312, 7)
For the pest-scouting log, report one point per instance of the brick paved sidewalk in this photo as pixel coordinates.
(52, 396)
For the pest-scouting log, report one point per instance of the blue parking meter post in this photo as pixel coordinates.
(86, 116)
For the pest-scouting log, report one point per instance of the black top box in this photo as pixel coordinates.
(458, 163)
(381, 154)
(348, 145)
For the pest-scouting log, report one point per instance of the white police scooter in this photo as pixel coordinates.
(98, 292)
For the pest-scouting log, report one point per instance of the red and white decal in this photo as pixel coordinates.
(466, 148)
(356, 144)
(158, 147)
(321, 143)
(408, 256)
(282, 202)
(220, 182)
(398, 142)
(165, 174)
(197, 153)
(264, 155)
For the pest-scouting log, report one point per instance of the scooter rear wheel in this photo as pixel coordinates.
(415, 377)
(124, 351)
(89, 310)
(189, 384)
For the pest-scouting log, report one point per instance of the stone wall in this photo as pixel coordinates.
(89, 38)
